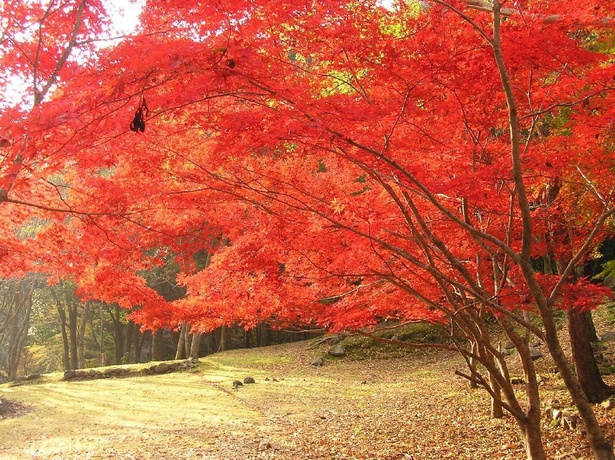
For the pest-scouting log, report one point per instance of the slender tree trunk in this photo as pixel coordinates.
(18, 335)
(532, 439)
(65, 348)
(472, 364)
(181, 342)
(583, 356)
(188, 343)
(195, 345)
(17, 341)
(263, 334)
(497, 410)
(157, 345)
(128, 343)
(601, 448)
(223, 344)
(81, 335)
(211, 342)
(139, 340)
(247, 338)
(72, 329)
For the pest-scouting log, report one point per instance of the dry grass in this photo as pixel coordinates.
(407, 407)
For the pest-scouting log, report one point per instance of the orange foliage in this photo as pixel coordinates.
(343, 162)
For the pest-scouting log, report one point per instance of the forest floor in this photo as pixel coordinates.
(367, 405)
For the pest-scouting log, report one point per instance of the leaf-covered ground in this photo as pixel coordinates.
(410, 406)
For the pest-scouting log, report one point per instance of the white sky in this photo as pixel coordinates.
(126, 14)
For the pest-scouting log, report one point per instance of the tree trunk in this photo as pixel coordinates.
(601, 448)
(497, 411)
(472, 364)
(118, 332)
(210, 342)
(157, 345)
(17, 341)
(72, 329)
(188, 342)
(65, 348)
(20, 309)
(81, 336)
(247, 338)
(223, 344)
(263, 333)
(139, 340)
(532, 439)
(181, 342)
(128, 342)
(583, 356)
(591, 328)
(195, 345)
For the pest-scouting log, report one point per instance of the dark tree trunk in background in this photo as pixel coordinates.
(223, 344)
(139, 341)
(65, 357)
(195, 345)
(118, 332)
(180, 352)
(157, 345)
(128, 343)
(263, 335)
(188, 342)
(72, 329)
(247, 338)
(211, 342)
(583, 356)
(81, 335)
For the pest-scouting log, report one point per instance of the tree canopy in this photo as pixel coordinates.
(343, 162)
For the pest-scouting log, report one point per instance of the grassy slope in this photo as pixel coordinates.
(409, 406)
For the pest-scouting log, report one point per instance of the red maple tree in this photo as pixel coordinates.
(344, 162)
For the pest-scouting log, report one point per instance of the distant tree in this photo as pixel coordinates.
(16, 298)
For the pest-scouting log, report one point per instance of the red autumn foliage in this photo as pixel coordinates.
(348, 156)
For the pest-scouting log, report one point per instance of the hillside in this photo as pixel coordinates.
(405, 405)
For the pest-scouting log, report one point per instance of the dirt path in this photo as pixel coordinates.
(403, 408)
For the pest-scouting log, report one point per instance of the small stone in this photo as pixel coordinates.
(162, 368)
(608, 337)
(318, 362)
(535, 354)
(337, 351)
(249, 380)
(237, 384)
(509, 346)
